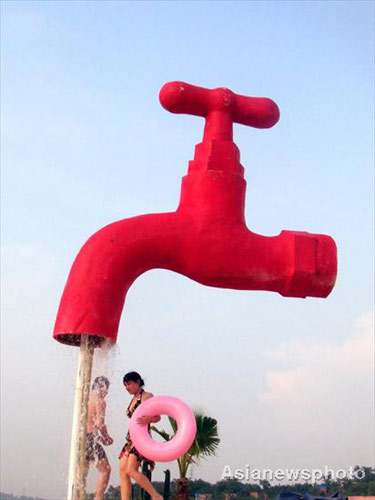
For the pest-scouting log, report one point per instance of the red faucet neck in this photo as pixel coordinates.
(219, 155)
(214, 188)
(219, 125)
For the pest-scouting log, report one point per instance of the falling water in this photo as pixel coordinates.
(92, 363)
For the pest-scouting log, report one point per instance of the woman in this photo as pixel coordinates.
(130, 458)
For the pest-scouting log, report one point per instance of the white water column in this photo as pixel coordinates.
(77, 465)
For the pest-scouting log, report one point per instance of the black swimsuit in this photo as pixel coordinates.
(94, 450)
(128, 447)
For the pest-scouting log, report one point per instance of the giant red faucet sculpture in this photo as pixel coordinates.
(205, 239)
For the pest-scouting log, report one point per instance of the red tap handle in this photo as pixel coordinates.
(180, 97)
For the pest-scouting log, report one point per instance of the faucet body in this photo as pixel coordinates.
(205, 239)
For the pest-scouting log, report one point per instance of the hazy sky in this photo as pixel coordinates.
(86, 142)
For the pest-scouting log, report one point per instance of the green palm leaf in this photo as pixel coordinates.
(205, 443)
(207, 439)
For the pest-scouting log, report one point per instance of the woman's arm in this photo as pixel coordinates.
(146, 419)
(154, 419)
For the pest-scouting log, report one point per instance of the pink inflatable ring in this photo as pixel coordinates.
(181, 442)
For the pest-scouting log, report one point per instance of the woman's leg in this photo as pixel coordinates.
(104, 472)
(125, 482)
(142, 480)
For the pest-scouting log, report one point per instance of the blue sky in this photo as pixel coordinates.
(86, 142)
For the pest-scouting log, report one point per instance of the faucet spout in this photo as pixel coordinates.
(206, 239)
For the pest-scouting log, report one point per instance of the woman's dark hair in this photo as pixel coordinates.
(100, 383)
(133, 377)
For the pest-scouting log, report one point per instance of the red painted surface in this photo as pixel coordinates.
(205, 239)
